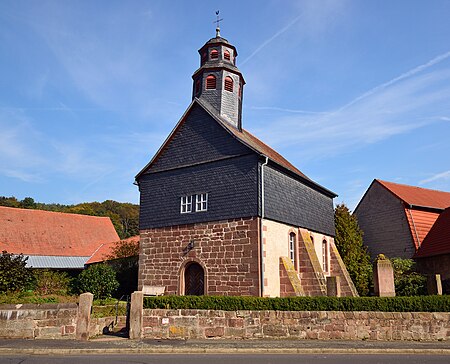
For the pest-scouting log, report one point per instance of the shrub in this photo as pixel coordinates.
(99, 279)
(51, 282)
(234, 303)
(14, 276)
(408, 282)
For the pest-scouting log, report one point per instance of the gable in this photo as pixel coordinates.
(437, 241)
(198, 138)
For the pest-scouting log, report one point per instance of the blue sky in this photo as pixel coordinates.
(348, 91)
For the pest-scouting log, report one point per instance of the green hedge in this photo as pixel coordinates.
(233, 303)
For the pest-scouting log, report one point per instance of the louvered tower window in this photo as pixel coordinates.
(210, 82)
(214, 54)
(228, 84)
(226, 55)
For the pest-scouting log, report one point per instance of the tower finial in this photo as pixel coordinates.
(217, 21)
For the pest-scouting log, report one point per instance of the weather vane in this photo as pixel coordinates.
(217, 21)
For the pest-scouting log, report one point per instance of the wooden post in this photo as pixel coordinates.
(84, 316)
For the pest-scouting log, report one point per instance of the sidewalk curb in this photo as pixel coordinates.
(262, 350)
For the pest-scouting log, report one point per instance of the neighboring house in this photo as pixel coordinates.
(106, 250)
(53, 240)
(433, 256)
(222, 213)
(396, 218)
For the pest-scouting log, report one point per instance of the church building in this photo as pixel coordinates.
(222, 213)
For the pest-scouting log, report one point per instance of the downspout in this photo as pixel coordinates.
(414, 225)
(261, 248)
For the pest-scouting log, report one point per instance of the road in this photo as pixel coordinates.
(226, 358)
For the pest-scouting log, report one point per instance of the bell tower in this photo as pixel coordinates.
(218, 81)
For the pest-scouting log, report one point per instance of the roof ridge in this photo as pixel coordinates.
(54, 212)
(410, 186)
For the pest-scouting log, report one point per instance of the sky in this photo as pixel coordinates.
(347, 91)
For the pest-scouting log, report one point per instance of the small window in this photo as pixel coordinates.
(186, 204)
(292, 248)
(325, 255)
(214, 54)
(228, 84)
(210, 82)
(201, 202)
(226, 55)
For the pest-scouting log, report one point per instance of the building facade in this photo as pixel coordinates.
(221, 213)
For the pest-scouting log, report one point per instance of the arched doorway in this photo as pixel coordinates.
(194, 280)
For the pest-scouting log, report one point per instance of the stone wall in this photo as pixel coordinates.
(322, 325)
(45, 321)
(227, 250)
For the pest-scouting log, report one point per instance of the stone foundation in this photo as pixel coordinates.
(322, 325)
(228, 252)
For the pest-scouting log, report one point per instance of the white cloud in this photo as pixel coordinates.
(398, 106)
(445, 176)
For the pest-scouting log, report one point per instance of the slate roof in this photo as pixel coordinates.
(101, 254)
(437, 241)
(45, 233)
(243, 136)
(418, 196)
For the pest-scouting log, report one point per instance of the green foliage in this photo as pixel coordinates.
(98, 279)
(31, 297)
(124, 249)
(234, 303)
(408, 282)
(51, 282)
(124, 216)
(14, 276)
(349, 242)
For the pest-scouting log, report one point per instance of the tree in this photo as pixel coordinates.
(124, 249)
(349, 242)
(14, 276)
(407, 281)
(98, 279)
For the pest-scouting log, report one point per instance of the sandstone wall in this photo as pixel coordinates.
(323, 325)
(45, 321)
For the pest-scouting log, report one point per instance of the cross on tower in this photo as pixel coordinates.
(217, 21)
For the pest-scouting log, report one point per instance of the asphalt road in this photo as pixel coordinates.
(225, 359)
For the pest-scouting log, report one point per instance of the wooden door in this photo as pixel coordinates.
(194, 280)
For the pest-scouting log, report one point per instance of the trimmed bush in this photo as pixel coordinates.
(234, 303)
(99, 279)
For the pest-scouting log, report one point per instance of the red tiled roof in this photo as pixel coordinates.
(437, 241)
(420, 223)
(106, 249)
(37, 232)
(418, 196)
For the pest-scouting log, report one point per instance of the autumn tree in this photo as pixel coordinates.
(349, 242)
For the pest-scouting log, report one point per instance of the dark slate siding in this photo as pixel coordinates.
(199, 139)
(290, 201)
(382, 218)
(232, 185)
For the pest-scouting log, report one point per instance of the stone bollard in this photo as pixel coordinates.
(383, 277)
(136, 314)
(334, 286)
(434, 284)
(84, 316)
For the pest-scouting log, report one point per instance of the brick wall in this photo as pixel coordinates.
(227, 251)
(203, 324)
(45, 321)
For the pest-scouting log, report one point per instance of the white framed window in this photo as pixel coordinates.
(292, 248)
(325, 255)
(201, 202)
(186, 204)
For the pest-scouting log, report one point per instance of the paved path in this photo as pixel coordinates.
(110, 345)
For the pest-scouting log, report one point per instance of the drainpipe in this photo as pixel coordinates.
(261, 248)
